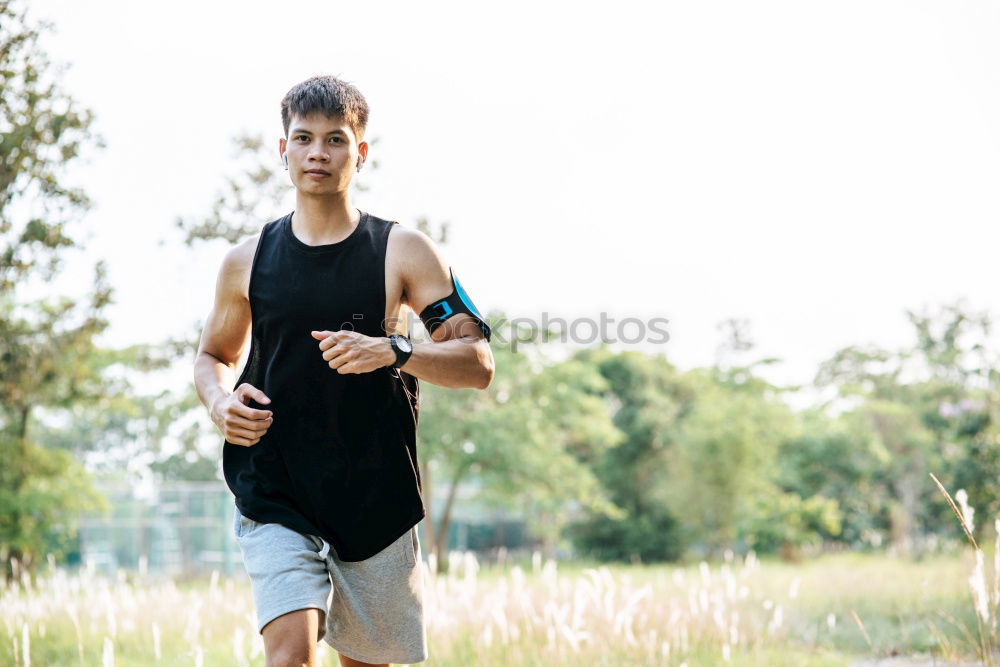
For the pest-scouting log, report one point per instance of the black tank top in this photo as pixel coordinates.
(340, 458)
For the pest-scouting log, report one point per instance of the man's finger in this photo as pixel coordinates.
(253, 425)
(338, 361)
(251, 413)
(324, 337)
(254, 393)
(237, 432)
(334, 352)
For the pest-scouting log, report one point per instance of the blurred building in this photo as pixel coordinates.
(187, 528)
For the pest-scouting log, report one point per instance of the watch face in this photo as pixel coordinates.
(404, 344)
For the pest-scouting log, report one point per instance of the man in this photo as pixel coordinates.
(320, 427)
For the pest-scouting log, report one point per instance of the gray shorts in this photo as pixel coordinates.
(376, 613)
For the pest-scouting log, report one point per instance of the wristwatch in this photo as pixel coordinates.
(403, 348)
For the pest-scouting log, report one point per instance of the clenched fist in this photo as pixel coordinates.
(348, 351)
(239, 423)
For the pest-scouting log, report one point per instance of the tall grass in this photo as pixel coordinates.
(532, 612)
(985, 602)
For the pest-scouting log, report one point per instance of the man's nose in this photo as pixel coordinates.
(318, 154)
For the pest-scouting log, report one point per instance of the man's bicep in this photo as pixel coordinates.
(425, 272)
(437, 296)
(228, 324)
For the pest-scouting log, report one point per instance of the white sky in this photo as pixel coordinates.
(814, 167)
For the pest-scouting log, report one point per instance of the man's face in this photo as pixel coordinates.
(322, 153)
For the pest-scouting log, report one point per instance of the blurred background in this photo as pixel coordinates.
(767, 231)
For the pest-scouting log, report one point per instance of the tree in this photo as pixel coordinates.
(930, 407)
(53, 373)
(526, 440)
(724, 463)
(648, 400)
(838, 459)
(723, 466)
(46, 346)
(119, 430)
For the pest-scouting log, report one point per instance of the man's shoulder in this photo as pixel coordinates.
(410, 239)
(238, 262)
(241, 255)
(414, 254)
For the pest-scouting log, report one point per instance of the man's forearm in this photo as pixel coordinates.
(457, 363)
(211, 377)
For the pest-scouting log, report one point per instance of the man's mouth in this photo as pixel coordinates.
(319, 172)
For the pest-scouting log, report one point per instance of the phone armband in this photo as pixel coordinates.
(457, 302)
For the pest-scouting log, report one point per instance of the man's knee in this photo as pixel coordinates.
(290, 639)
(290, 657)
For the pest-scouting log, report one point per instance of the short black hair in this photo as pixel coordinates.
(329, 96)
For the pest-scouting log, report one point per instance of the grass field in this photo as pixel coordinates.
(835, 610)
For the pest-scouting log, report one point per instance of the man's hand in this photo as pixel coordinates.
(351, 352)
(239, 423)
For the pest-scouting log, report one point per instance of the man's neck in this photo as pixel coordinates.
(322, 220)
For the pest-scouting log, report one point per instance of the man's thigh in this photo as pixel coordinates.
(376, 615)
(288, 573)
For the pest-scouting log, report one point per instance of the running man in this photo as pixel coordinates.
(320, 427)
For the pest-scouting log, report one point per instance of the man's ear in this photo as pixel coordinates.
(363, 150)
(281, 146)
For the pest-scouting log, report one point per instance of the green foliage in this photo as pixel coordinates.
(621, 452)
(725, 458)
(115, 425)
(647, 399)
(41, 495)
(649, 537)
(41, 129)
(51, 365)
(525, 439)
(928, 408)
(786, 522)
(838, 459)
(251, 195)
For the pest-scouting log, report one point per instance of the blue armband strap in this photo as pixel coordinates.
(456, 302)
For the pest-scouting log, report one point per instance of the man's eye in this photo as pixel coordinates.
(336, 138)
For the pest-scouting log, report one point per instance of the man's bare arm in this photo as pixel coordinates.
(459, 356)
(222, 341)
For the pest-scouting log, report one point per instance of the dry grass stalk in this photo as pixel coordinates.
(958, 512)
(861, 625)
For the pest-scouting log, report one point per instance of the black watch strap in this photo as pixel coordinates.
(401, 355)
